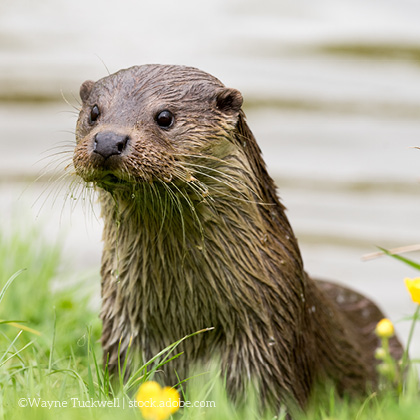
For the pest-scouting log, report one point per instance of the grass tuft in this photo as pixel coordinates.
(50, 355)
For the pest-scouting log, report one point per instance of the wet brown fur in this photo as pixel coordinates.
(196, 237)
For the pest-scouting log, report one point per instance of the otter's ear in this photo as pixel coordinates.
(85, 90)
(229, 101)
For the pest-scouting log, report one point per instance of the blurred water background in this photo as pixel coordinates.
(332, 94)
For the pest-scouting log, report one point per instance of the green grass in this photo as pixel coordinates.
(49, 351)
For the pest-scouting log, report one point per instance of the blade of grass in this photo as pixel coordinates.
(18, 325)
(126, 357)
(108, 390)
(10, 346)
(50, 359)
(90, 385)
(402, 259)
(168, 350)
(16, 353)
(9, 282)
(119, 364)
(180, 382)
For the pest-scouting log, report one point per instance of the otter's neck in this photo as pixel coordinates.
(199, 262)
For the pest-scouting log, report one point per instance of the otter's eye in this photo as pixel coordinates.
(94, 114)
(164, 119)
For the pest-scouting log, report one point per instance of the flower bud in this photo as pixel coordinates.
(384, 328)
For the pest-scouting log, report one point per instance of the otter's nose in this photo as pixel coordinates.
(108, 143)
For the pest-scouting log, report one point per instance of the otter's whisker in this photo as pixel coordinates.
(224, 174)
(178, 205)
(233, 197)
(226, 163)
(191, 207)
(71, 105)
(164, 208)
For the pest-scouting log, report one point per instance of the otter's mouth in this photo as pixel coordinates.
(109, 181)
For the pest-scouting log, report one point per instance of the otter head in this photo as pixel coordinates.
(154, 123)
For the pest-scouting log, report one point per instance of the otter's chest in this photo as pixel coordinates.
(161, 288)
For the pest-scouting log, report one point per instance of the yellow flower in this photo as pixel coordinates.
(384, 328)
(155, 402)
(413, 286)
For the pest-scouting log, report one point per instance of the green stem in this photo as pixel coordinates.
(385, 346)
(404, 360)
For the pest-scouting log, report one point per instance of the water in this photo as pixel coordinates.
(332, 93)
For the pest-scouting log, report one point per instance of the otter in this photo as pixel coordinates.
(196, 237)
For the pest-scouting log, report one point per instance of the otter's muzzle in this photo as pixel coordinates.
(108, 143)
